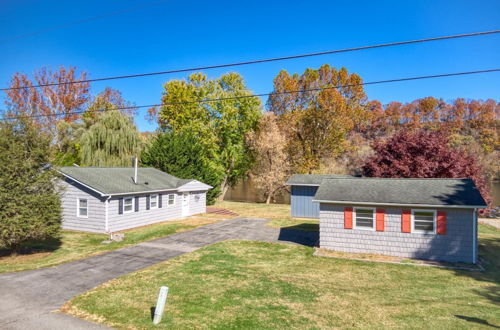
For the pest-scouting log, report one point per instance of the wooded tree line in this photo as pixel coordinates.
(331, 128)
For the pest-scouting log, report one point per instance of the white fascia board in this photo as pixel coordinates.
(204, 186)
(83, 184)
(141, 192)
(303, 184)
(403, 205)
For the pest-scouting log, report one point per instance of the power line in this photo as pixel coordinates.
(275, 59)
(443, 75)
(78, 22)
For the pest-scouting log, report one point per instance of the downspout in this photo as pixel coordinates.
(474, 237)
(106, 224)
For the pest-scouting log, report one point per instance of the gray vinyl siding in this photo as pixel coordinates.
(71, 192)
(143, 217)
(197, 202)
(457, 245)
(301, 202)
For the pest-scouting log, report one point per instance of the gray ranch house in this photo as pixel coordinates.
(111, 199)
(303, 189)
(433, 219)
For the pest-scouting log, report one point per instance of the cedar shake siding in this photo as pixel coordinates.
(456, 244)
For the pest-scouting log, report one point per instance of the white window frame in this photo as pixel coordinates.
(168, 199)
(354, 225)
(133, 205)
(78, 207)
(413, 231)
(157, 201)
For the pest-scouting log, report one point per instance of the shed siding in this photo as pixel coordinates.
(197, 202)
(143, 217)
(301, 202)
(95, 222)
(455, 246)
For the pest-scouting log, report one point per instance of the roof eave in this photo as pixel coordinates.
(83, 184)
(303, 184)
(402, 204)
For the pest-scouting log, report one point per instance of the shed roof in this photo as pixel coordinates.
(404, 191)
(119, 180)
(313, 179)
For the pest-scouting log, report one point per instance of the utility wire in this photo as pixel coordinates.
(275, 59)
(82, 21)
(265, 94)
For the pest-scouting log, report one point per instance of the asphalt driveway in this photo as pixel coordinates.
(28, 299)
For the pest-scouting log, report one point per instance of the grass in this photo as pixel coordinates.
(295, 224)
(74, 245)
(245, 284)
(256, 210)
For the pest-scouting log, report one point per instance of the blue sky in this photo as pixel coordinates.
(178, 34)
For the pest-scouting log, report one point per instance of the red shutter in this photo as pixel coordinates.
(348, 218)
(441, 222)
(406, 221)
(380, 220)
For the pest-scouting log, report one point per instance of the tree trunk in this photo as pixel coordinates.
(268, 198)
(223, 188)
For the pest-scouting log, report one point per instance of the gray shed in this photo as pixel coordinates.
(106, 199)
(433, 219)
(303, 189)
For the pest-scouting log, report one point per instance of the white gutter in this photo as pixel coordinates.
(404, 205)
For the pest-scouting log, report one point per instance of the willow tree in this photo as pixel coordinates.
(111, 141)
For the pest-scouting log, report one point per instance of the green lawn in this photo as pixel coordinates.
(77, 245)
(245, 284)
(256, 210)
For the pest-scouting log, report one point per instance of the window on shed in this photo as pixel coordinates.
(128, 204)
(153, 201)
(83, 207)
(424, 221)
(364, 218)
(171, 199)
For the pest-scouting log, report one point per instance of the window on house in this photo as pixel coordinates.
(128, 204)
(423, 221)
(83, 207)
(364, 218)
(153, 201)
(171, 199)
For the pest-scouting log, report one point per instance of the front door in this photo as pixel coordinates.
(185, 204)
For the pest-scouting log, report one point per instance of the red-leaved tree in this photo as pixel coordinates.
(423, 154)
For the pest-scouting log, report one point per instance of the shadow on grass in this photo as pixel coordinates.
(152, 310)
(476, 320)
(297, 234)
(33, 247)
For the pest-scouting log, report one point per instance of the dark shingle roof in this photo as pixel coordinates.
(312, 179)
(438, 192)
(119, 180)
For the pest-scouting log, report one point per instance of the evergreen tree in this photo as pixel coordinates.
(182, 154)
(30, 207)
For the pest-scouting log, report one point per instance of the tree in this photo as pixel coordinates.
(30, 207)
(423, 154)
(271, 161)
(47, 101)
(221, 125)
(182, 154)
(317, 122)
(112, 141)
(108, 99)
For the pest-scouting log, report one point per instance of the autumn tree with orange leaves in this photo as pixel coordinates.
(59, 98)
(271, 168)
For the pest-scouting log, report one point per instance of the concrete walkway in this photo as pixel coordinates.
(28, 299)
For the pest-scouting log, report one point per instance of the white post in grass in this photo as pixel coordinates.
(160, 304)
